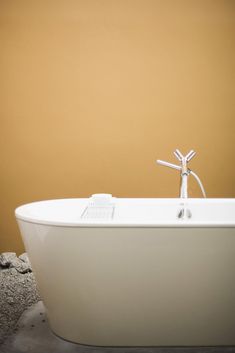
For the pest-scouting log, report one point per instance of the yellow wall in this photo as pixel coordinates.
(92, 92)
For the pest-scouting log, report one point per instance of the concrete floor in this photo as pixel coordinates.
(33, 335)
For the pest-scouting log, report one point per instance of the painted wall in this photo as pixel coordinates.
(92, 92)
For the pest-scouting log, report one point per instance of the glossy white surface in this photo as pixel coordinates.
(144, 278)
(132, 212)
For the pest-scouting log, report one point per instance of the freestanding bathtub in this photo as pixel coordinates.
(130, 272)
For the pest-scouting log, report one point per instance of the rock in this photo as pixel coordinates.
(20, 266)
(6, 259)
(11, 261)
(10, 300)
(24, 257)
(12, 271)
(17, 292)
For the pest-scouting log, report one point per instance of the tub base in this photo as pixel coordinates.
(134, 286)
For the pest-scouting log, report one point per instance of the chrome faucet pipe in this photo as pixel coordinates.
(183, 168)
(185, 171)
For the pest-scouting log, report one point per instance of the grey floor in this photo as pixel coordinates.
(33, 335)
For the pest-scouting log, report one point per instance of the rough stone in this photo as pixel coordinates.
(10, 300)
(24, 257)
(7, 258)
(21, 266)
(12, 271)
(10, 260)
(18, 291)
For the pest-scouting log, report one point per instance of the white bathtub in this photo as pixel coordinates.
(137, 275)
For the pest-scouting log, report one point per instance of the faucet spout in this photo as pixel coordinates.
(167, 164)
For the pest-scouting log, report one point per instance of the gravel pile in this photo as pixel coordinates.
(17, 290)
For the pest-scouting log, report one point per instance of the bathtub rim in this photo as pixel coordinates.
(177, 223)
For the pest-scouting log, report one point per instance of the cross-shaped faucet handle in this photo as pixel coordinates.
(186, 158)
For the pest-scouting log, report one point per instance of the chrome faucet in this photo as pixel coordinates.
(185, 171)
